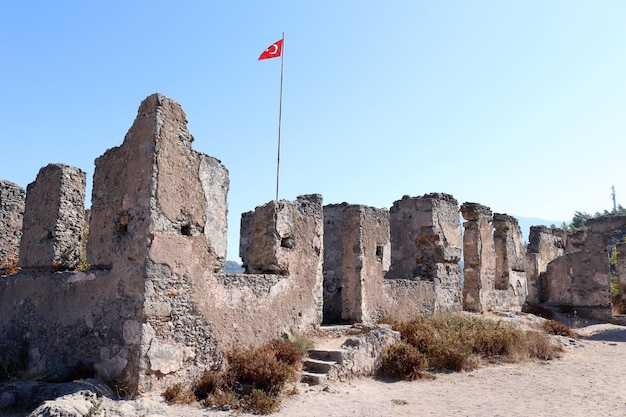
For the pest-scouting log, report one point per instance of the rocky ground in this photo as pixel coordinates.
(586, 381)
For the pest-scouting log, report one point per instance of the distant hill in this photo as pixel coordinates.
(233, 267)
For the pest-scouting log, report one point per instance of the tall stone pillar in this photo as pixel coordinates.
(53, 219)
(357, 254)
(479, 256)
(12, 198)
(510, 258)
(426, 244)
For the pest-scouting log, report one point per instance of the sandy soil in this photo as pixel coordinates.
(589, 380)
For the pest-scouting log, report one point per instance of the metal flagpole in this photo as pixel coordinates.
(280, 109)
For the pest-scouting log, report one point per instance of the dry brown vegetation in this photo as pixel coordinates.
(458, 342)
(252, 380)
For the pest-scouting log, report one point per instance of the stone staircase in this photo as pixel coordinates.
(318, 367)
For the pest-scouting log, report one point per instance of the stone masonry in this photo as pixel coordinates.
(580, 280)
(479, 257)
(357, 254)
(510, 262)
(12, 198)
(155, 307)
(53, 219)
(544, 245)
(426, 244)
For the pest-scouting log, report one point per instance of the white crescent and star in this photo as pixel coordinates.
(274, 51)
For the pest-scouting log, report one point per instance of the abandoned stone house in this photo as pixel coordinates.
(155, 306)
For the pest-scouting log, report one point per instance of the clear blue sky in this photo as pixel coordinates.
(518, 105)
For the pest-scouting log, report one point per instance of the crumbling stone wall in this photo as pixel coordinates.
(357, 255)
(544, 245)
(12, 200)
(426, 244)
(53, 219)
(510, 262)
(479, 257)
(581, 280)
(155, 307)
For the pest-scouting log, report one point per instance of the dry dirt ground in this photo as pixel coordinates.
(589, 380)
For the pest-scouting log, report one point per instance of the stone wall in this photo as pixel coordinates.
(544, 245)
(155, 307)
(479, 257)
(12, 200)
(510, 263)
(356, 257)
(580, 280)
(426, 245)
(53, 219)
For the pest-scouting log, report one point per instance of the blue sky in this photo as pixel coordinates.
(518, 105)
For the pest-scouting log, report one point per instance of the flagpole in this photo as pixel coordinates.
(280, 110)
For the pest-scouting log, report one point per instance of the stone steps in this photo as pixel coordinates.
(320, 363)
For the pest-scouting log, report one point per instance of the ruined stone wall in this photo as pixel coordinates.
(53, 219)
(510, 263)
(479, 257)
(580, 280)
(155, 307)
(12, 200)
(544, 245)
(426, 244)
(356, 257)
(57, 325)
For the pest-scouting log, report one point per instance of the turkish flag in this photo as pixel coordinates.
(273, 51)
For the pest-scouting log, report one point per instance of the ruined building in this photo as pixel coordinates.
(155, 307)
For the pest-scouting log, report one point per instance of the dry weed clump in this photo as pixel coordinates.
(457, 342)
(557, 328)
(252, 380)
(403, 361)
(177, 394)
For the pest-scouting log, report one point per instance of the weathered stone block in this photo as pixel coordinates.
(12, 199)
(426, 244)
(356, 257)
(53, 219)
(544, 245)
(479, 257)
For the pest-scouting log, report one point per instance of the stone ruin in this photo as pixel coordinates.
(154, 307)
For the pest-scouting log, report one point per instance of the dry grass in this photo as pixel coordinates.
(557, 328)
(252, 381)
(457, 342)
(177, 394)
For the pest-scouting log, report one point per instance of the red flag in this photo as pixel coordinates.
(273, 51)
